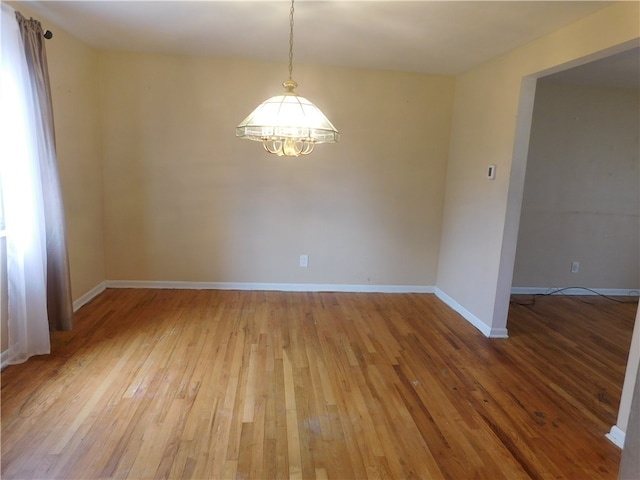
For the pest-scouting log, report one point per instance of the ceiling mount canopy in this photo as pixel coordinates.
(288, 124)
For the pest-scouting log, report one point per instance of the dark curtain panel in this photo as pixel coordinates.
(59, 304)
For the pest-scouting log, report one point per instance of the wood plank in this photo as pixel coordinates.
(229, 384)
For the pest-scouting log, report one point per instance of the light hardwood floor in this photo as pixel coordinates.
(273, 385)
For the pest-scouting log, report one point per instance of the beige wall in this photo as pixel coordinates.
(480, 222)
(581, 195)
(185, 200)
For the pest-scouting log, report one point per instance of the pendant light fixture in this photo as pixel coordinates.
(288, 124)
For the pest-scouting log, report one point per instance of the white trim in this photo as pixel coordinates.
(4, 359)
(499, 333)
(616, 436)
(611, 292)
(282, 287)
(471, 318)
(90, 295)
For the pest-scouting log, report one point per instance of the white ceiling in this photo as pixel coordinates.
(442, 37)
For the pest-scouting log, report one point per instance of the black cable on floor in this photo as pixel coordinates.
(558, 291)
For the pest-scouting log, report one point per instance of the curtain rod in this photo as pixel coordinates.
(48, 34)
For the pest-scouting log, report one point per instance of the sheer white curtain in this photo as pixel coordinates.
(21, 134)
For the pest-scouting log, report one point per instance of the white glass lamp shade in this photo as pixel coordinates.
(288, 124)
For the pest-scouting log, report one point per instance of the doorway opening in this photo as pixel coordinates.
(574, 186)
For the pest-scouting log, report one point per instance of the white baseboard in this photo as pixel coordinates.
(90, 295)
(4, 359)
(610, 292)
(616, 436)
(281, 287)
(471, 318)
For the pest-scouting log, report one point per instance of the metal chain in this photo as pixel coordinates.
(291, 40)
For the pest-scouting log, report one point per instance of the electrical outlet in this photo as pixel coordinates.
(304, 261)
(575, 266)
